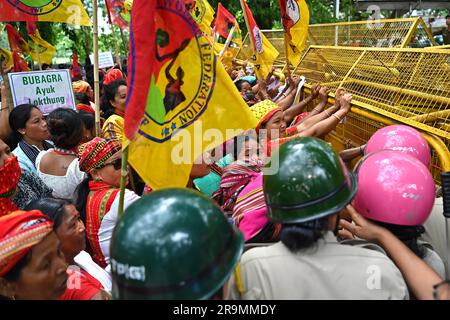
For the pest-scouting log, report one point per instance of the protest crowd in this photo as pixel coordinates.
(95, 204)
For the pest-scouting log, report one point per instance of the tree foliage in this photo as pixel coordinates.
(68, 39)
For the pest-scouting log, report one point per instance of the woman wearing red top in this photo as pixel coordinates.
(72, 235)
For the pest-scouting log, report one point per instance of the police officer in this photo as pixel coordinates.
(306, 196)
(173, 244)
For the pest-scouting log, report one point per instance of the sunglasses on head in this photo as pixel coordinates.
(117, 164)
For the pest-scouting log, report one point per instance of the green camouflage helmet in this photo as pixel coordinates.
(173, 244)
(311, 182)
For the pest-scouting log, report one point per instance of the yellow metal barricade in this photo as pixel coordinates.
(410, 86)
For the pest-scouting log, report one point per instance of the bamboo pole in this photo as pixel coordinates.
(247, 23)
(38, 58)
(286, 49)
(227, 43)
(116, 47)
(8, 97)
(96, 75)
(124, 42)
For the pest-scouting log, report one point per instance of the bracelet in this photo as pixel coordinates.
(4, 108)
(334, 115)
(327, 113)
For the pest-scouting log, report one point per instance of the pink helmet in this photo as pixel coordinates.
(395, 188)
(401, 138)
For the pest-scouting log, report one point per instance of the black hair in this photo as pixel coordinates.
(447, 17)
(297, 236)
(240, 83)
(110, 93)
(88, 119)
(82, 97)
(66, 128)
(18, 119)
(408, 235)
(53, 208)
(82, 192)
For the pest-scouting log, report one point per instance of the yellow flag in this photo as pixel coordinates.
(295, 16)
(41, 50)
(202, 13)
(65, 11)
(6, 56)
(264, 53)
(182, 102)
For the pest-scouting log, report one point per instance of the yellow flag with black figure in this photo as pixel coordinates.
(264, 53)
(202, 13)
(181, 102)
(295, 17)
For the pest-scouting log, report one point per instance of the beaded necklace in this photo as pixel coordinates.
(65, 152)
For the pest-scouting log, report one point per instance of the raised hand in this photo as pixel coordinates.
(360, 227)
(345, 102)
(323, 94)
(315, 89)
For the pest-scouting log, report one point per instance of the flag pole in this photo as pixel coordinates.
(8, 97)
(248, 25)
(227, 43)
(96, 75)
(124, 42)
(286, 49)
(38, 58)
(246, 22)
(123, 180)
(116, 46)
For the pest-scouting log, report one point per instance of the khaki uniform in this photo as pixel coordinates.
(328, 270)
(435, 233)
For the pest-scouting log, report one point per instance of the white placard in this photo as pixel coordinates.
(48, 90)
(105, 59)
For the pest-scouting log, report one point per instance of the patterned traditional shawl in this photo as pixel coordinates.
(98, 204)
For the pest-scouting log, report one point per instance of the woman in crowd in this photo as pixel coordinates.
(68, 226)
(59, 167)
(32, 264)
(396, 191)
(88, 119)
(9, 178)
(422, 281)
(114, 109)
(271, 118)
(17, 187)
(241, 195)
(83, 90)
(29, 135)
(306, 196)
(98, 195)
